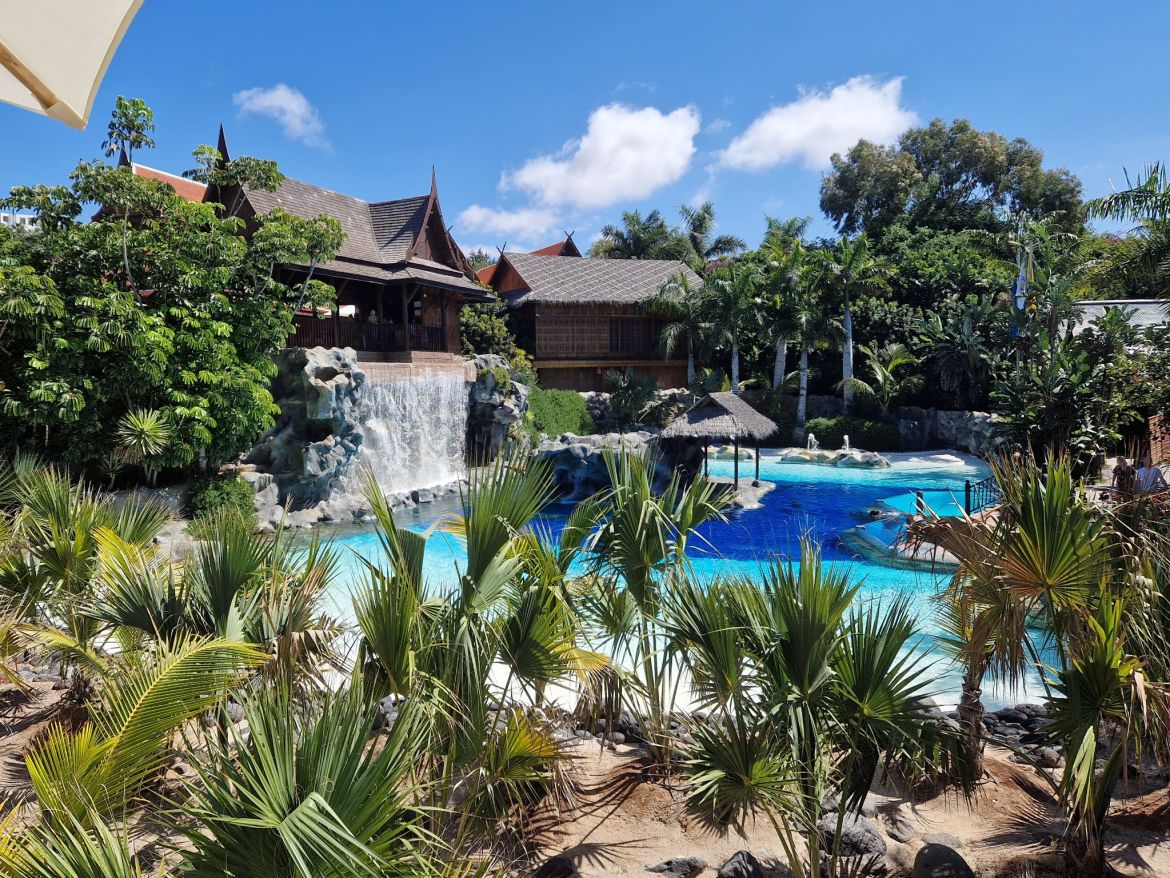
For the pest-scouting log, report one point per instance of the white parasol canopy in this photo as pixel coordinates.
(54, 53)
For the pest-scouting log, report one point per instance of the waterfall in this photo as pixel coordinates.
(414, 428)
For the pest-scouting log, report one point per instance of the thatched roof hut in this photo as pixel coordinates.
(722, 417)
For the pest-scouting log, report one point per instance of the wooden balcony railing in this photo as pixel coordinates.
(311, 332)
(586, 337)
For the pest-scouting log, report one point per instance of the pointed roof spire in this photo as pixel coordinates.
(221, 147)
(434, 182)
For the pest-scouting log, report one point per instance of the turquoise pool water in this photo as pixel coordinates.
(825, 502)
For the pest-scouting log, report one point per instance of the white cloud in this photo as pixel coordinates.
(287, 106)
(626, 153)
(818, 124)
(716, 125)
(525, 222)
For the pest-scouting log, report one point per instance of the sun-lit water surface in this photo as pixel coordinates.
(824, 502)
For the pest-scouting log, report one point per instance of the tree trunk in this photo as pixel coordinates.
(690, 364)
(971, 722)
(802, 404)
(735, 366)
(847, 360)
(781, 361)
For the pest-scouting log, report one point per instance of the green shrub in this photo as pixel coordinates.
(864, 434)
(218, 495)
(558, 411)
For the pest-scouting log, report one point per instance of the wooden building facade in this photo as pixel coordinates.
(581, 318)
(401, 279)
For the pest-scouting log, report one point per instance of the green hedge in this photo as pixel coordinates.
(216, 495)
(558, 411)
(864, 434)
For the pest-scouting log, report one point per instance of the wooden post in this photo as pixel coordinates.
(383, 341)
(735, 451)
(405, 321)
(756, 481)
(336, 326)
(443, 317)
(706, 466)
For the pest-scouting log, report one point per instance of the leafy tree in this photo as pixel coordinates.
(484, 328)
(641, 238)
(965, 341)
(158, 304)
(947, 177)
(479, 258)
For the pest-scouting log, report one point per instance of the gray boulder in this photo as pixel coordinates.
(742, 864)
(679, 867)
(940, 861)
(943, 838)
(901, 829)
(859, 836)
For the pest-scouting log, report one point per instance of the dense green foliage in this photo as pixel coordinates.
(862, 433)
(554, 412)
(484, 329)
(217, 495)
(158, 304)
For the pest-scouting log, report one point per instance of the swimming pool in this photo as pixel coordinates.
(822, 501)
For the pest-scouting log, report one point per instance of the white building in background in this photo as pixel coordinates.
(17, 220)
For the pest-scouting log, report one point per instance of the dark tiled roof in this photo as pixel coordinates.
(570, 279)
(396, 225)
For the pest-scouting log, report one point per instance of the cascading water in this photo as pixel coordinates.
(414, 429)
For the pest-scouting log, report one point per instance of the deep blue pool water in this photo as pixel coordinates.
(823, 502)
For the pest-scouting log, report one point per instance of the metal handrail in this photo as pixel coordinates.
(979, 495)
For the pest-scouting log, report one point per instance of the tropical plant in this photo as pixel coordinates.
(964, 348)
(698, 227)
(886, 386)
(687, 308)
(638, 554)
(735, 291)
(845, 272)
(634, 398)
(142, 437)
(102, 767)
(641, 237)
(805, 701)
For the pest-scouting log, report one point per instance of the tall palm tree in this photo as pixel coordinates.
(845, 272)
(886, 384)
(698, 226)
(735, 295)
(640, 237)
(786, 262)
(814, 326)
(687, 308)
(1145, 261)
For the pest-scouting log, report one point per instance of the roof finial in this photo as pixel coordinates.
(221, 147)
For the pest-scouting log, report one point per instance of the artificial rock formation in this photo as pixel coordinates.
(317, 436)
(578, 462)
(498, 404)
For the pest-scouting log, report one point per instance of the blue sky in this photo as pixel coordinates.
(543, 117)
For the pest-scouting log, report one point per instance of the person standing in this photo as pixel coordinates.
(1149, 478)
(1124, 479)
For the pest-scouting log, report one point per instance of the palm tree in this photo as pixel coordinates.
(698, 226)
(845, 272)
(686, 307)
(886, 385)
(777, 309)
(813, 327)
(735, 289)
(142, 437)
(640, 238)
(804, 698)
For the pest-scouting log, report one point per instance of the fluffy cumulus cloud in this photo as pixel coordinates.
(289, 108)
(626, 153)
(818, 124)
(527, 223)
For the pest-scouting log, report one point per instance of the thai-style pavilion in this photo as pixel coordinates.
(582, 317)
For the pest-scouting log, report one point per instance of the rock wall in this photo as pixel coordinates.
(670, 402)
(316, 437)
(939, 428)
(578, 462)
(498, 405)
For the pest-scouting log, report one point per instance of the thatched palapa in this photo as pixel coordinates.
(722, 417)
